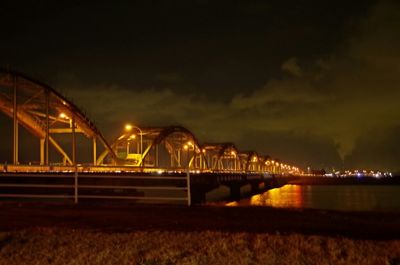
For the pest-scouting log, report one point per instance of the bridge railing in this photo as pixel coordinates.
(138, 188)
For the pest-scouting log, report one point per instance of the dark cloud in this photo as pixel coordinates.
(294, 146)
(219, 47)
(292, 67)
(303, 82)
(376, 148)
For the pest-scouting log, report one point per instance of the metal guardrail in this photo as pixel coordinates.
(160, 188)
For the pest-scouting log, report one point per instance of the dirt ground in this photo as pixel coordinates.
(127, 218)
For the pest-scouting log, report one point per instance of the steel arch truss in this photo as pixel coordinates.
(56, 122)
(222, 157)
(45, 113)
(250, 161)
(170, 148)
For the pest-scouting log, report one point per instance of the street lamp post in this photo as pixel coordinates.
(186, 148)
(128, 128)
(233, 161)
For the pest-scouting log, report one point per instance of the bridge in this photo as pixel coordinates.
(68, 156)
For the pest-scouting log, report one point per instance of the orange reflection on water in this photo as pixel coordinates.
(287, 196)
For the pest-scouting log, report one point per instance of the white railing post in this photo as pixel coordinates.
(189, 195)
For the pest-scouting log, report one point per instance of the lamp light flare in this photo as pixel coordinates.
(63, 116)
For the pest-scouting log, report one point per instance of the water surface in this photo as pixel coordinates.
(330, 197)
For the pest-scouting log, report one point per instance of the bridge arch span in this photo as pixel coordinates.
(45, 113)
(222, 157)
(171, 148)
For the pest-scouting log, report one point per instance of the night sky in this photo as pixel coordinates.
(311, 82)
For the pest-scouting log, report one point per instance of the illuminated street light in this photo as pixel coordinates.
(63, 115)
(233, 159)
(128, 128)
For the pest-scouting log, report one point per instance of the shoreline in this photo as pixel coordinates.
(124, 218)
(319, 180)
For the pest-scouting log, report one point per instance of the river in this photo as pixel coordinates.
(329, 197)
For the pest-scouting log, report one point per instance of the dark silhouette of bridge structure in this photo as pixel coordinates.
(140, 161)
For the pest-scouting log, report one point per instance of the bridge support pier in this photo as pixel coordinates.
(235, 191)
(198, 196)
(272, 183)
(255, 187)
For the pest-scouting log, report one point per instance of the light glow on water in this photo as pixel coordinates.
(231, 204)
(329, 197)
(289, 196)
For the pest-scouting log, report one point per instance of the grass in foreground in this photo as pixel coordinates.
(64, 246)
